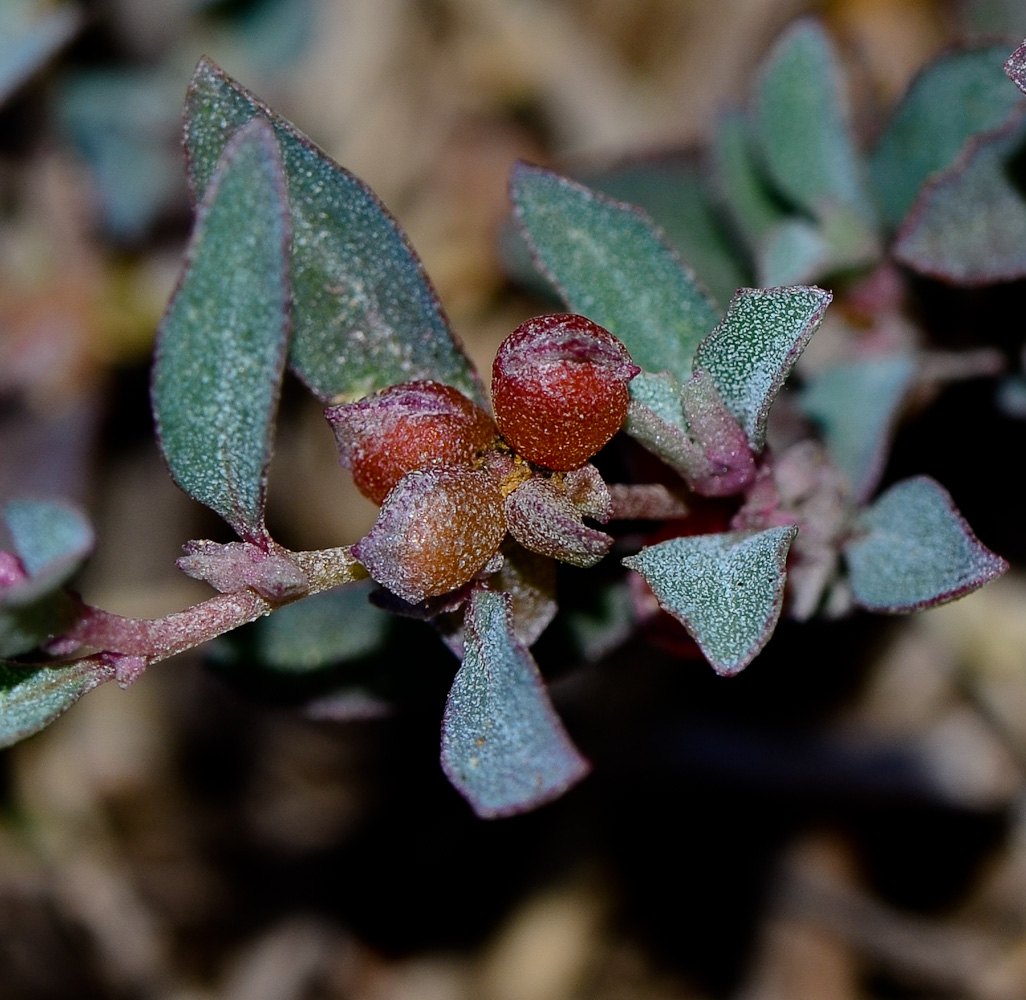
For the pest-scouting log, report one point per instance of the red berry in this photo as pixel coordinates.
(559, 388)
(436, 529)
(406, 427)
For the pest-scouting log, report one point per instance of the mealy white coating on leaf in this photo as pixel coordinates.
(366, 315)
(504, 747)
(222, 342)
(611, 263)
(726, 589)
(916, 551)
(752, 350)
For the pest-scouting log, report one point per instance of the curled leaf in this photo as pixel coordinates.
(504, 747)
(752, 350)
(544, 519)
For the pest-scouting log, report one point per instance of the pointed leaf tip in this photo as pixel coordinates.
(365, 313)
(916, 551)
(222, 342)
(503, 746)
(725, 589)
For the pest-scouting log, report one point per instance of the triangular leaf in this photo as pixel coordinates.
(968, 225)
(222, 343)
(801, 118)
(957, 96)
(365, 314)
(611, 264)
(503, 746)
(755, 346)
(916, 551)
(32, 697)
(726, 589)
(857, 405)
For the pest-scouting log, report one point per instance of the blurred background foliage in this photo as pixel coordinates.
(844, 820)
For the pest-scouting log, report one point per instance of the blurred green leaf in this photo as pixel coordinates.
(755, 346)
(503, 746)
(916, 551)
(725, 589)
(125, 124)
(968, 224)
(793, 252)
(857, 406)
(321, 631)
(752, 204)
(52, 539)
(26, 625)
(29, 36)
(364, 313)
(222, 343)
(32, 697)
(957, 96)
(611, 264)
(801, 120)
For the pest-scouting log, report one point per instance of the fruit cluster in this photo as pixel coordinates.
(447, 475)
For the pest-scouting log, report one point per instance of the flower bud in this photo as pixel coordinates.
(559, 388)
(409, 426)
(435, 531)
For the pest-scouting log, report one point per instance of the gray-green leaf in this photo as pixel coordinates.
(957, 96)
(51, 539)
(755, 346)
(611, 263)
(857, 405)
(222, 343)
(968, 224)
(801, 118)
(725, 589)
(365, 315)
(503, 746)
(916, 551)
(32, 697)
(673, 191)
